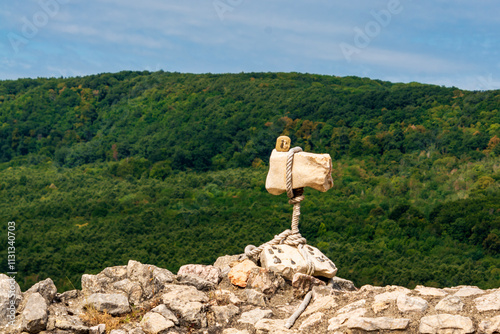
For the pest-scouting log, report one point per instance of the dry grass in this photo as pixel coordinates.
(93, 317)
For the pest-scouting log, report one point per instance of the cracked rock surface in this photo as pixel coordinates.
(144, 299)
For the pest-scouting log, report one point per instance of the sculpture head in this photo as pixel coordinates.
(283, 144)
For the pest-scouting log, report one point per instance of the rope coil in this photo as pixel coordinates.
(288, 237)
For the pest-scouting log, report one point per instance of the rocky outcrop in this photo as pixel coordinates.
(236, 297)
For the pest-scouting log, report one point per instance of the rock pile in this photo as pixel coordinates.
(237, 297)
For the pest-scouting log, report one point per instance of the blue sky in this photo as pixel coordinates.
(443, 42)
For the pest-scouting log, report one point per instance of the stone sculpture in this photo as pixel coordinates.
(290, 170)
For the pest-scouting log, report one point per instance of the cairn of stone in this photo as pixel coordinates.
(290, 171)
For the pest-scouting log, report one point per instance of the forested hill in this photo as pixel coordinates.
(163, 168)
(205, 122)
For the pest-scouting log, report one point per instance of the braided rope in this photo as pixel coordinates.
(289, 237)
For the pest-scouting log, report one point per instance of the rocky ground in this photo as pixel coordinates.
(235, 296)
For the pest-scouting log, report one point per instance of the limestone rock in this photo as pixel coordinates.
(352, 306)
(287, 260)
(162, 277)
(450, 304)
(446, 323)
(118, 331)
(7, 310)
(275, 326)
(408, 304)
(166, 313)
(188, 302)
(183, 293)
(139, 272)
(255, 297)
(251, 317)
(380, 306)
(226, 296)
(226, 262)
(138, 330)
(367, 288)
(303, 283)
(132, 290)
(151, 278)
(155, 323)
(45, 288)
(309, 170)
(95, 283)
(341, 284)
(116, 273)
(223, 314)
(98, 329)
(467, 291)
(319, 304)
(238, 275)
(196, 281)
(322, 291)
(34, 316)
(68, 323)
(339, 320)
(489, 302)
(390, 295)
(191, 312)
(264, 281)
(113, 303)
(208, 273)
(426, 291)
(234, 331)
(67, 295)
(313, 320)
(377, 324)
(490, 326)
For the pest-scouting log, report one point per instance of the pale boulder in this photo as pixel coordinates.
(489, 302)
(411, 304)
(303, 283)
(253, 316)
(288, 260)
(467, 291)
(223, 314)
(264, 281)
(390, 295)
(446, 323)
(490, 326)
(155, 323)
(274, 326)
(113, 303)
(450, 304)
(377, 324)
(208, 273)
(309, 170)
(428, 291)
(255, 297)
(320, 303)
(340, 320)
(8, 286)
(313, 320)
(35, 316)
(166, 313)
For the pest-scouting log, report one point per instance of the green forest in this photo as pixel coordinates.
(169, 169)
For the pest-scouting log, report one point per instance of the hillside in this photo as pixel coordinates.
(169, 169)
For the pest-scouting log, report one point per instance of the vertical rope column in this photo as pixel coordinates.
(289, 237)
(295, 197)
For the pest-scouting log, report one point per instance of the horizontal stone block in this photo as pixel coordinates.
(309, 170)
